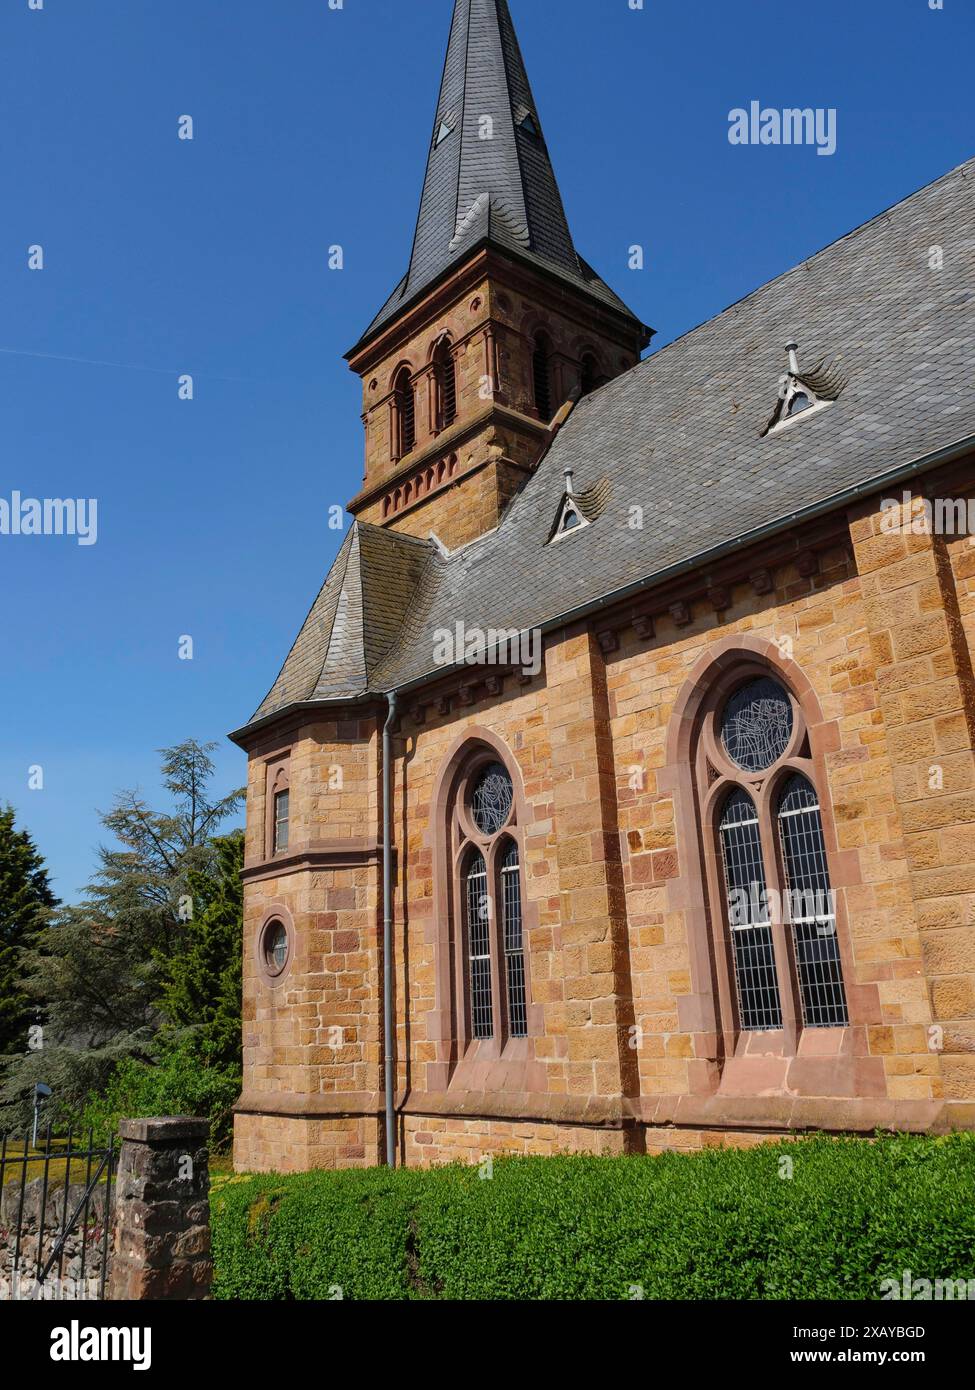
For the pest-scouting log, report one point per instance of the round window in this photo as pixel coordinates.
(274, 947)
(491, 799)
(757, 724)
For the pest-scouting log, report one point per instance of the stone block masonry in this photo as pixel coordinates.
(161, 1247)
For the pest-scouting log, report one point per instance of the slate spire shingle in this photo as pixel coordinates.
(489, 176)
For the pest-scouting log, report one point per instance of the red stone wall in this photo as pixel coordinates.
(457, 481)
(873, 633)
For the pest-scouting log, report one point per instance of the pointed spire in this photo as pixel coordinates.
(489, 176)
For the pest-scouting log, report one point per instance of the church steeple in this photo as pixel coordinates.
(497, 320)
(489, 178)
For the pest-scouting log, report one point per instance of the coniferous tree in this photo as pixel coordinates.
(26, 902)
(105, 962)
(202, 983)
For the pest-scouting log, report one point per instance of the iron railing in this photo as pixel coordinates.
(49, 1193)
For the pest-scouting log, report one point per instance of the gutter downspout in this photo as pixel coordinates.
(388, 927)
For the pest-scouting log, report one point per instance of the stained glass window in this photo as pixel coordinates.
(514, 948)
(479, 948)
(751, 930)
(811, 907)
(757, 724)
(491, 799)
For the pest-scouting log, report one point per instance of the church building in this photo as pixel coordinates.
(618, 791)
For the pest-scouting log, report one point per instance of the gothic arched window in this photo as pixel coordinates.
(489, 906)
(757, 789)
(404, 413)
(756, 977)
(445, 384)
(542, 376)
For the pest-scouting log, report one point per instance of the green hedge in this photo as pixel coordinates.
(722, 1224)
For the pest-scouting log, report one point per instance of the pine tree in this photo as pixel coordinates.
(105, 962)
(201, 994)
(26, 902)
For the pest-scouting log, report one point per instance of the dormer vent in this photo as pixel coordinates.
(802, 393)
(577, 510)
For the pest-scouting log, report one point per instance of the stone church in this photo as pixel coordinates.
(618, 791)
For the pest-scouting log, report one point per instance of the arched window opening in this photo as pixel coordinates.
(542, 377)
(590, 374)
(405, 413)
(812, 907)
(445, 379)
(756, 778)
(756, 977)
(492, 964)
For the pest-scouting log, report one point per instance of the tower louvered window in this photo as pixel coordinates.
(542, 377)
(445, 376)
(590, 374)
(405, 413)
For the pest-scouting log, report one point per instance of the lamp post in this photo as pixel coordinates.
(41, 1092)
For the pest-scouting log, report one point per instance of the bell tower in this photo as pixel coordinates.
(497, 321)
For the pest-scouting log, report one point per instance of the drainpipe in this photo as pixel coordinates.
(388, 925)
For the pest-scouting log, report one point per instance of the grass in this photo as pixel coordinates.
(57, 1167)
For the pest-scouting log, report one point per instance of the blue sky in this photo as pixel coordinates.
(210, 257)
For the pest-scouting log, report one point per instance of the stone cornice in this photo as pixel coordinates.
(448, 442)
(319, 854)
(503, 268)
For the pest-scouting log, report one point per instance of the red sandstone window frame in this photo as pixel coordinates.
(277, 779)
(275, 914)
(444, 385)
(402, 439)
(748, 1067)
(715, 777)
(457, 836)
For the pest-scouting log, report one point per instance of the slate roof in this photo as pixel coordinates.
(500, 190)
(679, 435)
(354, 620)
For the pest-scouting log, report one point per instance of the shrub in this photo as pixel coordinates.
(175, 1085)
(722, 1224)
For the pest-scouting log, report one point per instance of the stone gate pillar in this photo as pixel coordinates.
(161, 1237)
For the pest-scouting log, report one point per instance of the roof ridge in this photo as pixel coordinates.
(856, 231)
(422, 541)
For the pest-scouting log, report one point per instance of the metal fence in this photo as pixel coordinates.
(56, 1203)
